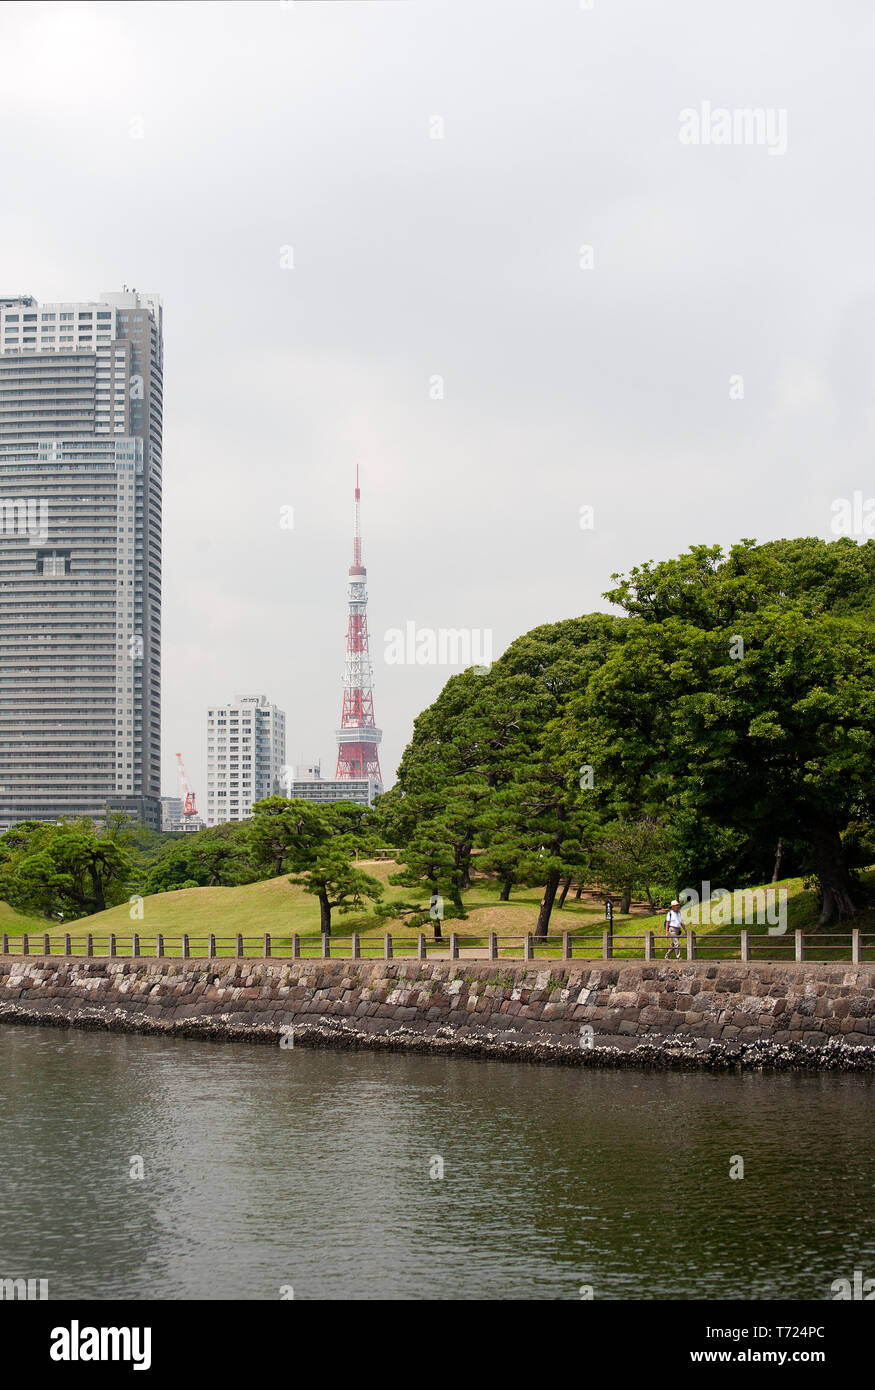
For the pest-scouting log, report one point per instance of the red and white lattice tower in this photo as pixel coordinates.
(358, 738)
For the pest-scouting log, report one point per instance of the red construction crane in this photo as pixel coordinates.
(188, 803)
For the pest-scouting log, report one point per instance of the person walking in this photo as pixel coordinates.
(674, 929)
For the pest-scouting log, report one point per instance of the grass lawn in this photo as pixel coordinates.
(13, 922)
(277, 907)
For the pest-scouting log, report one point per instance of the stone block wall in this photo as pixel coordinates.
(808, 1003)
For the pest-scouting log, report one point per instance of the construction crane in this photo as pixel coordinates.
(188, 802)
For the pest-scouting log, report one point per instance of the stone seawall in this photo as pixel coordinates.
(689, 1009)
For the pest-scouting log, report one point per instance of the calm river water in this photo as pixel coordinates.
(266, 1168)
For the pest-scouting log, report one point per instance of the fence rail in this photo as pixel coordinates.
(745, 946)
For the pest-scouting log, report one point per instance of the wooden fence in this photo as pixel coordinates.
(745, 946)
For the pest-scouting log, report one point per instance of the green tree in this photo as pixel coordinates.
(284, 832)
(76, 868)
(554, 825)
(634, 856)
(394, 818)
(438, 854)
(745, 690)
(478, 775)
(333, 879)
(504, 844)
(356, 823)
(219, 856)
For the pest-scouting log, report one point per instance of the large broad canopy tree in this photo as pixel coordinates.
(745, 690)
(728, 712)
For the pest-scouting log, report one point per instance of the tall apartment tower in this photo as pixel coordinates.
(80, 557)
(246, 751)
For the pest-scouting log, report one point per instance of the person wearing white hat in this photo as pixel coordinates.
(674, 928)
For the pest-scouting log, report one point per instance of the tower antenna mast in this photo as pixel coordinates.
(358, 738)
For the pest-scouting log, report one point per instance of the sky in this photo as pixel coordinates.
(506, 256)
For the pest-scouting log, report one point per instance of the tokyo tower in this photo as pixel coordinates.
(358, 738)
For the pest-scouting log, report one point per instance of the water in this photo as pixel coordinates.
(267, 1168)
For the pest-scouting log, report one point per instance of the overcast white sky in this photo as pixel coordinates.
(266, 125)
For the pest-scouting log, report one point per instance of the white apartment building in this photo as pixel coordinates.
(246, 751)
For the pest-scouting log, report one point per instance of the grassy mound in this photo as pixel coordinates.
(277, 907)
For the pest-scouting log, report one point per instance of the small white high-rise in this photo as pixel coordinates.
(246, 751)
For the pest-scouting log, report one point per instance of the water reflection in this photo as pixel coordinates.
(266, 1167)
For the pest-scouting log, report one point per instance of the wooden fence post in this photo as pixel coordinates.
(89, 945)
(493, 946)
(528, 950)
(159, 944)
(855, 945)
(387, 946)
(112, 944)
(745, 944)
(454, 946)
(355, 947)
(135, 944)
(6, 945)
(607, 945)
(800, 946)
(25, 944)
(239, 947)
(296, 947)
(266, 949)
(566, 945)
(648, 945)
(211, 948)
(691, 944)
(421, 948)
(186, 946)
(326, 946)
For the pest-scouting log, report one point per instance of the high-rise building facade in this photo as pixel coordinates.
(80, 557)
(246, 750)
